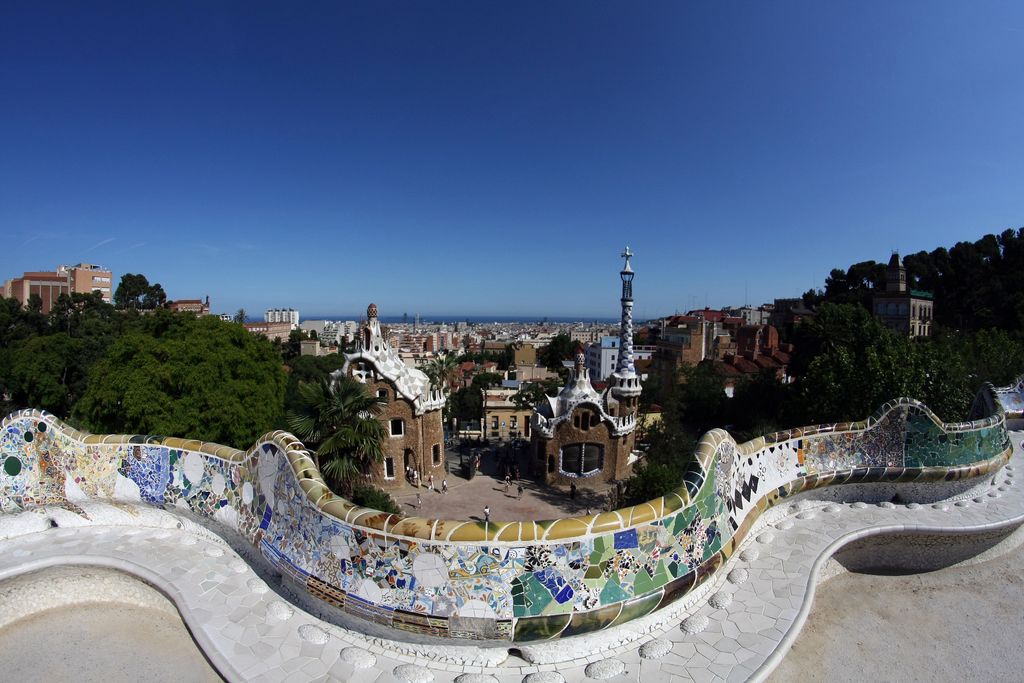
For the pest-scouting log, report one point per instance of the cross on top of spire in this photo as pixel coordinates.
(627, 254)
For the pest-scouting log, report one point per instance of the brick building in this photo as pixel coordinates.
(905, 310)
(85, 278)
(81, 278)
(584, 437)
(503, 419)
(197, 306)
(271, 331)
(411, 409)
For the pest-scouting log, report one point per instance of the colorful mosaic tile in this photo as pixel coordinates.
(571, 580)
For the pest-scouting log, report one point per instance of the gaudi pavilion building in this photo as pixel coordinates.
(584, 437)
(411, 409)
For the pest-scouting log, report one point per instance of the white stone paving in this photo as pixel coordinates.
(250, 633)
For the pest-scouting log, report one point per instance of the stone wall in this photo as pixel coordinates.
(421, 433)
(501, 581)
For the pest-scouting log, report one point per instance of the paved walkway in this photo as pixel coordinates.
(754, 613)
(957, 624)
(466, 498)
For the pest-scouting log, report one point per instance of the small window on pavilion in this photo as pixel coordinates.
(582, 460)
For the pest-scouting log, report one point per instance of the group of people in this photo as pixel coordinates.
(414, 478)
(508, 484)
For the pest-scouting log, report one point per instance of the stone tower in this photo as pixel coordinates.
(624, 383)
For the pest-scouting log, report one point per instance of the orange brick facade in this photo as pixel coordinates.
(580, 429)
(420, 446)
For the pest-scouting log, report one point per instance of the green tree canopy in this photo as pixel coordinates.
(486, 380)
(135, 292)
(467, 404)
(559, 349)
(178, 375)
(977, 285)
(307, 369)
(531, 394)
(47, 372)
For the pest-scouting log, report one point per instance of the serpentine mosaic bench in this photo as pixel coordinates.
(502, 581)
(1011, 399)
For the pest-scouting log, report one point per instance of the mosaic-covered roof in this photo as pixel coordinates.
(577, 391)
(373, 354)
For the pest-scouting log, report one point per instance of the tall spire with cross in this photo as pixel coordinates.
(625, 383)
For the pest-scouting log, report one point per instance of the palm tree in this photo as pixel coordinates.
(442, 371)
(339, 419)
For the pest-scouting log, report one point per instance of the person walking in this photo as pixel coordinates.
(430, 482)
(487, 514)
(519, 491)
(444, 486)
(419, 500)
(572, 491)
(508, 483)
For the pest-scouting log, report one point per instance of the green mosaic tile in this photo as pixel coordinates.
(612, 592)
(645, 583)
(537, 596)
(683, 519)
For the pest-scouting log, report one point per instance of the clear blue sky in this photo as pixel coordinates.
(476, 158)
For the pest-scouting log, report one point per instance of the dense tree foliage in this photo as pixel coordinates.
(178, 375)
(531, 394)
(307, 369)
(977, 285)
(466, 404)
(980, 284)
(44, 359)
(559, 349)
(502, 358)
(372, 497)
(135, 292)
(670, 450)
(847, 364)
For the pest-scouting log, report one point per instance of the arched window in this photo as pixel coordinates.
(389, 467)
(582, 459)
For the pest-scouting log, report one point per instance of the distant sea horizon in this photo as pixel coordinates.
(437, 319)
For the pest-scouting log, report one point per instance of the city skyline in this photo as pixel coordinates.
(471, 161)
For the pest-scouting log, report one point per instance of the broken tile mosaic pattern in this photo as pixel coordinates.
(519, 581)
